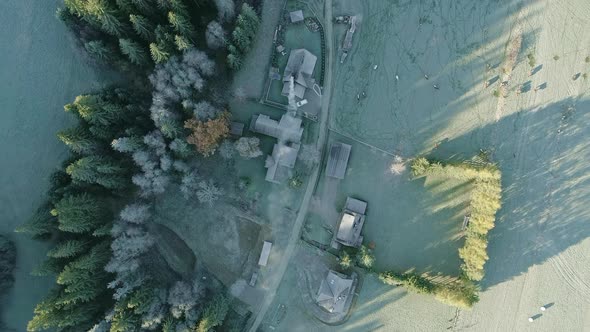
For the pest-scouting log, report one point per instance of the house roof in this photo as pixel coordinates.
(296, 16)
(282, 159)
(300, 66)
(288, 129)
(351, 223)
(338, 160)
(334, 291)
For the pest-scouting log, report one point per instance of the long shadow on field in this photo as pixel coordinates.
(543, 154)
(459, 45)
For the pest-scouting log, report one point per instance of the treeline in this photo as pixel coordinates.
(485, 202)
(461, 293)
(140, 33)
(7, 265)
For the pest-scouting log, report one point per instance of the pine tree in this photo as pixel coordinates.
(103, 171)
(214, 314)
(99, 50)
(158, 54)
(125, 6)
(42, 223)
(68, 248)
(181, 43)
(144, 6)
(79, 140)
(181, 24)
(107, 16)
(133, 51)
(142, 27)
(79, 213)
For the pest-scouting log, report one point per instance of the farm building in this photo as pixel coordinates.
(338, 160)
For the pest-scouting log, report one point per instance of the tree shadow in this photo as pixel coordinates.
(543, 154)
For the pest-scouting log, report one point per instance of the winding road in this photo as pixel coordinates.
(276, 279)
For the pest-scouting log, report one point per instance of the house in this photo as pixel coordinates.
(296, 16)
(338, 160)
(288, 132)
(287, 129)
(236, 128)
(300, 66)
(335, 292)
(351, 224)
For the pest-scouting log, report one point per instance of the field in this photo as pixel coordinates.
(535, 127)
(41, 70)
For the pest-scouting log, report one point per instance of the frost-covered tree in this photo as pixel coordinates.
(180, 148)
(226, 150)
(156, 312)
(127, 144)
(203, 111)
(309, 155)
(215, 35)
(248, 147)
(136, 213)
(182, 299)
(189, 184)
(208, 192)
(225, 10)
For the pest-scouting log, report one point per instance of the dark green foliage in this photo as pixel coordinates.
(49, 266)
(214, 314)
(41, 224)
(68, 248)
(99, 170)
(243, 36)
(134, 51)
(99, 50)
(79, 140)
(79, 213)
(159, 55)
(142, 27)
(181, 24)
(7, 264)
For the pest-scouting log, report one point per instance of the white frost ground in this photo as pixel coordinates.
(540, 249)
(40, 71)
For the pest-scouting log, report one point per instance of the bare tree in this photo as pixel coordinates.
(215, 35)
(208, 192)
(248, 147)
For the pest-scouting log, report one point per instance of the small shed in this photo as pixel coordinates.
(338, 160)
(265, 253)
(296, 16)
(236, 128)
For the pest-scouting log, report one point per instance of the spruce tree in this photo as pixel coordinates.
(79, 213)
(142, 27)
(181, 24)
(42, 223)
(79, 140)
(68, 248)
(99, 50)
(234, 61)
(133, 51)
(158, 54)
(214, 314)
(99, 170)
(181, 43)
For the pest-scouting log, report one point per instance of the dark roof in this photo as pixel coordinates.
(338, 160)
(333, 292)
(300, 66)
(236, 128)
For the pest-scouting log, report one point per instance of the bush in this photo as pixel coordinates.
(345, 260)
(7, 263)
(365, 258)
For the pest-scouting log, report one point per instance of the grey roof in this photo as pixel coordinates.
(236, 128)
(296, 16)
(300, 66)
(351, 223)
(265, 253)
(282, 159)
(338, 160)
(333, 292)
(287, 129)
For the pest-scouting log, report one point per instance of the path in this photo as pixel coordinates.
(311, 185)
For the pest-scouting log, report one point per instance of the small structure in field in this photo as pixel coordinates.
(336, 292)
(338, 160)
(351, 224)
(296, 16)
(265, 253)
(236, 128)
